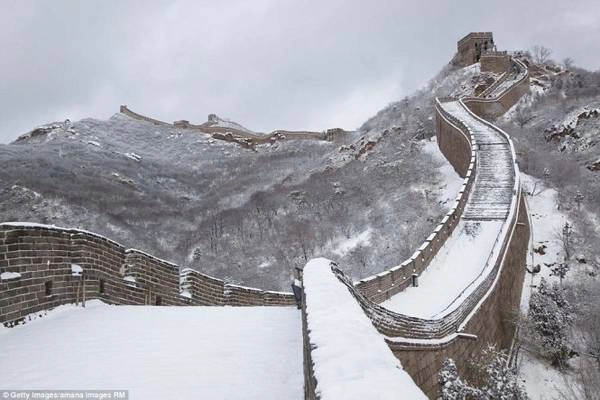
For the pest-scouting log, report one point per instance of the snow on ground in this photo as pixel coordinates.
(544, 382)
(159, 352)
(452, 182)
(541, 380)
(547, 223)
(450, 272)
(351, 359)
(524, 102)
(344, 246)
(507, 84)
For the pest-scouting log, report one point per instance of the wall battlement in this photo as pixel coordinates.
(40, 262)
(471, 47)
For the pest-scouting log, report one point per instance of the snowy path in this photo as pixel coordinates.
(455, 266)
(495, 178)
(507, 84)
(464, 255)
(159, 352)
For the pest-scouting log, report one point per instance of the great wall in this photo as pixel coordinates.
(46, 266)
(242, 137)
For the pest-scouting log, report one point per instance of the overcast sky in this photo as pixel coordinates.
(267, 64)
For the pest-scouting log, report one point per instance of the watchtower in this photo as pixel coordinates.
(472, 46)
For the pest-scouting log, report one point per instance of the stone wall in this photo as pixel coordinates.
(124, 110)
(244, 138)
(455, 143)
(486, 316)
(492, 108)
(471, 46)
(47, 260)
(495, 61)
(491, 322)
(487, 313)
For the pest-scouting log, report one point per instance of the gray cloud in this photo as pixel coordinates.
(267, 64)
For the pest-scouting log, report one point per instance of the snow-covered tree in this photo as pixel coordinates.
(567, 239)
(551, 315)
(496, 379)
(452, 386)
(568, 62)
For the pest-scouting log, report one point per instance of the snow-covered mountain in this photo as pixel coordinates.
(367, 199)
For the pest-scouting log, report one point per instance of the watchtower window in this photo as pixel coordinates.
(48, 287)
(158, 301)
(101, 286)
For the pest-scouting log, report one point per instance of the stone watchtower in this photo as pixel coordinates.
(472, 46)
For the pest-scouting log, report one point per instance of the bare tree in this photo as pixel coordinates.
(565, 236)
(522, 116)
(541, 54)
(568, 62)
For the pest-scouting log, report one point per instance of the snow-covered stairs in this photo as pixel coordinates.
(491, 195)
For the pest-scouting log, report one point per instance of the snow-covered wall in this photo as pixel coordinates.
(125, 110)
(492, 108)
(492, 320)
(348, 359)
(44, 256)
(455, 142)
(483, 312)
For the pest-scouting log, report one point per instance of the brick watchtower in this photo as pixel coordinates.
(472, 46)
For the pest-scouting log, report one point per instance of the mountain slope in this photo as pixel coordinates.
(368, 199)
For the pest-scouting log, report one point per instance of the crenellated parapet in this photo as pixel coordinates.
(471, 47)
(44, 266)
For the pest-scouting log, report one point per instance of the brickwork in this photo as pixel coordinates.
(124, 110)
(498, 62)
(241, 137)
(44, 255)
(493, 322)
(455, 143)
(472, 46)
(492, 108)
